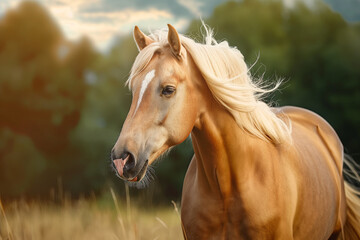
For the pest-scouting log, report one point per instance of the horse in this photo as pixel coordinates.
(258, 172)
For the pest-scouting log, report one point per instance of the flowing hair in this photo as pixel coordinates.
(230, 82)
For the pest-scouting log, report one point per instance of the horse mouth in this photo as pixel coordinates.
(141, 174)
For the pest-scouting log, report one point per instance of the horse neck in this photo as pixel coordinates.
(226, 155)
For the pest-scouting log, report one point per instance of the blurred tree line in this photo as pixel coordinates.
(62, 104)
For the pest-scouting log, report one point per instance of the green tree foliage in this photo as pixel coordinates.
(41, 77)
(21, 164)
(42, 92)
(105, 109)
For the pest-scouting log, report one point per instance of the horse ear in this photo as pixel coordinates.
(141, 39)
(174, 41)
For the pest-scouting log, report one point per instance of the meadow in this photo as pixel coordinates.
(105, 217)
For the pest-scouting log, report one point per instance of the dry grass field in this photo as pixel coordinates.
(87, 219)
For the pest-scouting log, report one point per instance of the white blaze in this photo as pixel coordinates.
(149, 76)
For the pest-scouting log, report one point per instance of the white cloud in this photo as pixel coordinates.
(118, 23)
(101, 26)
(8, 4)
(193, 6)
(181, 24)
(131, 15)
(292, 3)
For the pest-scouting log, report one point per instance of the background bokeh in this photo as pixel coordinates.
(63, 102)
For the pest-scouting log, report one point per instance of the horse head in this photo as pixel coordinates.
(164, 104)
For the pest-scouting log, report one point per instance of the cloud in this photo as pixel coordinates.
(193, 6)
(167, 5)
(8, 4)
(94, 19)
(129, 15)
(101, 27)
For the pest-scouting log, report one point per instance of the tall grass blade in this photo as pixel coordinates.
(9, 232)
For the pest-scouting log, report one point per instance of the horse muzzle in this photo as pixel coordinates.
(127, 168)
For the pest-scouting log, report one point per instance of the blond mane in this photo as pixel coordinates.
(228, 78)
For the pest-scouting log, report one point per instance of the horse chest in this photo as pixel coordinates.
(207, 215)
(207, 218)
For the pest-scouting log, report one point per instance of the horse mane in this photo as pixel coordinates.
(229, 80)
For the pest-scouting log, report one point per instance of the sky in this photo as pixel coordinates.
(105, 20)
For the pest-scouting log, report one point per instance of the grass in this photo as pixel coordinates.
(88, 219)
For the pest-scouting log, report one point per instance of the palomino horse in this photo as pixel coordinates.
(258, 172)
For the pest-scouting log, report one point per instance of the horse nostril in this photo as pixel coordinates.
(124, 163)
(114, 156)
(130, 163)
(124, 155)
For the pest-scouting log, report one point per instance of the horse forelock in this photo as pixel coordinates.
(229, 80)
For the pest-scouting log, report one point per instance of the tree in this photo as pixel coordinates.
(42, 91)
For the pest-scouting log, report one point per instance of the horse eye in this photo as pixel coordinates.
(168, 91)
